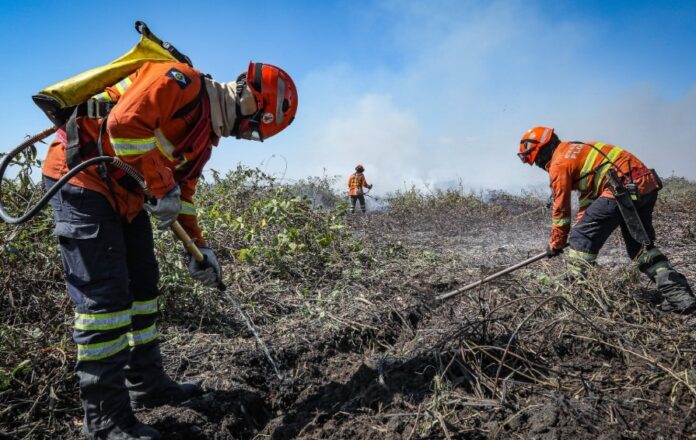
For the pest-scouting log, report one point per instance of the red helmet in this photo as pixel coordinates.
(276, 100)
(359, 168)
(532, 141)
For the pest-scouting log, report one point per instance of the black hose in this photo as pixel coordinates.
(132, 172)
(7, 218)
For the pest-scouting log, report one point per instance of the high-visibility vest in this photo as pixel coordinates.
(355, 184)
(583, 167)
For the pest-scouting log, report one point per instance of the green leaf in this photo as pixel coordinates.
(22, 367)
(5, 380)
(245, 255)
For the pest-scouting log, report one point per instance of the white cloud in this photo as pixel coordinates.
(372, 131)
(474, 76)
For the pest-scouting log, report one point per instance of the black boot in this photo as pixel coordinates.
(134, 431)
(108, 414)
(149, 386)
(162, 391)
(676, 292)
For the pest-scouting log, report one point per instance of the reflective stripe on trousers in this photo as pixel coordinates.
(111, 273)
(578, 262)
(602, 217)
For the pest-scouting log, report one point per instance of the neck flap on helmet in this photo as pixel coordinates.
(545, 153)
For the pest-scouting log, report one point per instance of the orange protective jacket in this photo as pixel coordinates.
(356, 182)
(583, 167)
(143, 129)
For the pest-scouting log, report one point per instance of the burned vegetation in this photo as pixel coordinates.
(346, 305)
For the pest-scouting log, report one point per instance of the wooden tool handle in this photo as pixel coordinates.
(187, 241)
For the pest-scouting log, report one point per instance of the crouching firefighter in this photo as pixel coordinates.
(163, 120)
(616, 190)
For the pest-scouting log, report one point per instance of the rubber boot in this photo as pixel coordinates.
(134, 431)
(149, 386)
(671, 285)
(676, 292)
(108, 414)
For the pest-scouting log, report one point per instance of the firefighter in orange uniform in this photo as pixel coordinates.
(588, 168)
(356, 183)
(164, 120)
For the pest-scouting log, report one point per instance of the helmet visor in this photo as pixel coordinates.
(525, 154)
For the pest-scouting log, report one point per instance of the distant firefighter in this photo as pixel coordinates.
(356, 183)
(616, 190)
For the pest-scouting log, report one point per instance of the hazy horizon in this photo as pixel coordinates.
(420, 93)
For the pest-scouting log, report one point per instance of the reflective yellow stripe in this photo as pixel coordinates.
(183, 162)
(103, 97)
(587, 166)
(101, 350)
(144, 307)
(648, 256)
(102, 321)
(355, 181)
(577, 270)
(660, 266)
(580, 255)
(164, 145)
(586, 201)
(606, 165)
(132, 147)
(140, 337)
(122, 85)
(187, 208)
(654, 252)
(561, 221)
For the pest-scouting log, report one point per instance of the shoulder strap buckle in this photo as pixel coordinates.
(97, 109)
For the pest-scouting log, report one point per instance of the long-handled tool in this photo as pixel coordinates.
(198, 256)
(494, 276)
(367, 194)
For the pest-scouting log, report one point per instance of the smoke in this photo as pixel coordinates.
(465, 80)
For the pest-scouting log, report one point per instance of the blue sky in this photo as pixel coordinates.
(420, 92)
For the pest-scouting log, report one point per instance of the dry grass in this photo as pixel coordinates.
(366, 350)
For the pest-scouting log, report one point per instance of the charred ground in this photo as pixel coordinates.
(347, 307)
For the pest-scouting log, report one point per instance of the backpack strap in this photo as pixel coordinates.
(199, 138)
(72, 147)
(77, 148)
(191, 106)
(601, 164)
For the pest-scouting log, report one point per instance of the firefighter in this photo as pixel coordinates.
(163, 120)
(590, 168)
(356, 183)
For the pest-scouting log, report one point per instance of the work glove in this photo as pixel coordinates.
(166, 209)
(207, 271)
(369, 186)
(550, 252)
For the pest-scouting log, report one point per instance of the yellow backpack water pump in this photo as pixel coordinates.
(59, 100)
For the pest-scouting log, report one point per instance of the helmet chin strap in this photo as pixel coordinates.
(252, 118)
(241, 84)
